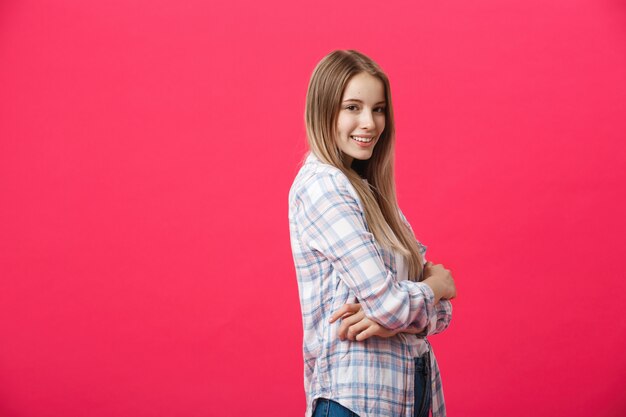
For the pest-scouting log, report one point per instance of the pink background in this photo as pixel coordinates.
(146, 153)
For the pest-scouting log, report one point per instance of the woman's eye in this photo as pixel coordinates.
(352, 107)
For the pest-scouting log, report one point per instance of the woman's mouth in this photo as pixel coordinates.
(363, 141)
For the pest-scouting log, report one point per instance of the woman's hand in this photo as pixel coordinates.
(356, 326)
(440, 281)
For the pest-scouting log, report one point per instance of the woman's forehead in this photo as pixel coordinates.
(364, 87)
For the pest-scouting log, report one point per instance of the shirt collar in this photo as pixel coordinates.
(311, 157)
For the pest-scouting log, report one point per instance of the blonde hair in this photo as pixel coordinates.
(378, 195)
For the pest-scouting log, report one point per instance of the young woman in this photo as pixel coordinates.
(368, 298)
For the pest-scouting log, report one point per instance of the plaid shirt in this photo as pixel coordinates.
(337, 261)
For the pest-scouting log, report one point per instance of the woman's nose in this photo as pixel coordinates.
(367, 120)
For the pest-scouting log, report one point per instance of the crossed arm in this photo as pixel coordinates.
(357, 326)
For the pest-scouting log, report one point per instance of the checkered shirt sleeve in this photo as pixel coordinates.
(331, 222)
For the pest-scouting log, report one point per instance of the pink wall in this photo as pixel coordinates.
(147, 149)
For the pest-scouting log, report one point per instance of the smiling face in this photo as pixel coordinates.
(361, 118)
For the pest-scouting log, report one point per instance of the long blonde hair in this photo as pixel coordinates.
(378, 195)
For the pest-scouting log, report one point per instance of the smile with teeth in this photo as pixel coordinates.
(365, 139)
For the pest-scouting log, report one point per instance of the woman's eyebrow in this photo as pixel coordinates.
(360, 101)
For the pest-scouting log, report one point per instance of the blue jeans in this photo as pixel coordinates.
(423, 391)
(329, 408)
